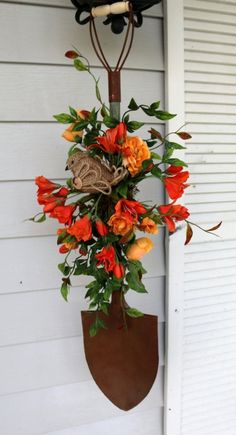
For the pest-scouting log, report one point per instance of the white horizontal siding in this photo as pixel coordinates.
(45, 381)
(209, 348)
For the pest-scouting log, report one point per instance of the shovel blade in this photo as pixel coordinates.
(122, 360)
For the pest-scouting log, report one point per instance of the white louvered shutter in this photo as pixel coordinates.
(209, 349)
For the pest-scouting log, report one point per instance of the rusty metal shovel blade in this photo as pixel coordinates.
(123, 360)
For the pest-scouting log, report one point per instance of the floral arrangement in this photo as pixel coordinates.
(97, 209)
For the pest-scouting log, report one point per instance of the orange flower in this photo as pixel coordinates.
(68, 246)
(139, 248)
(63, 213)
(107, 258)
(45, 185)
(135, 151)
(121, 225)
(175, 185)
(148, 226)
(171, 213)
(113, 139)
(71, 135)
(82, 229)
(131, 208)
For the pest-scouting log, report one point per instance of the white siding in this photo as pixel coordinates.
(45, 383)
(209, 350)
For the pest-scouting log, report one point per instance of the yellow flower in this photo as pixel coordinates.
(120, 225)
(135, 151)
(139, 248)
(148, 226)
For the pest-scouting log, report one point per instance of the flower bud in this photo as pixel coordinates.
(119, 271)
(139, 248)
(101, 228)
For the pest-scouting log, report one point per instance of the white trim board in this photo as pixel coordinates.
(174, 52)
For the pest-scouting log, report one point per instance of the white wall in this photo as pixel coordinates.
(45, 384)
(209, 350)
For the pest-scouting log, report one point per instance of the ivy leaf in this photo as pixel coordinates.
(110, 122)
(164, 116)
(133, 105)
(184, 135)
(215, 227)
(134, 125)
(64, 268)
(133, 312)
(156, 171)
(176, 162)
(155, 156)
(155, 105)
(189, 234)
(64, 118)
(80, 66)
(64, 291)
(175, 146)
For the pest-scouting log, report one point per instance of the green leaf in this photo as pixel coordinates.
(148, 111)
(133, 312)
(80, 66)
(64, 291)
(175, 146)
(133, 105)
(135, 284)
(155, 105)
(146, 164)
(104, 308)
(157, 172)
(176, 162)
(64, 268)
(73, 112)
(64, 118)
(93, 330)
(155, 156)
(163, 116)
(122, 189)
(104, 111)
(110, 122)
(98, 95)
(134, 125)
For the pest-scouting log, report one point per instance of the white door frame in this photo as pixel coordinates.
(174, 81)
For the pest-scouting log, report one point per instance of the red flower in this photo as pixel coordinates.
(113, 139)
(52, 201)
(172, 170)
(171, 213)
(101, 228)
(175, 185)
(107, 258)
(119, 271)
(82, 229)
(129, 208)
(45, 185)
(63, 213)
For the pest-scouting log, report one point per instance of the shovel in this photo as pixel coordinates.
(123, 358)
